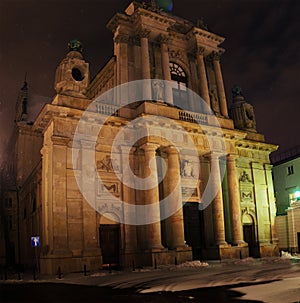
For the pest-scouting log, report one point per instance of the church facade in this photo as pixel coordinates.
(54, 186)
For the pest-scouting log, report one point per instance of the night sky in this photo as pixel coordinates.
(262, 52)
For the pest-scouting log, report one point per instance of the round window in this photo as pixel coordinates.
(77, 74)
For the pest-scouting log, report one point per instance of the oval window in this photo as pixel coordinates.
(77, 74)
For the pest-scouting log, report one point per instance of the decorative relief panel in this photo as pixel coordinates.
(106, 164)
(190, 194)
(244, 177)
(187, 169)
(113, 187)
(246, 190)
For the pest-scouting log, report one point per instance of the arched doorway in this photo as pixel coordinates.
(249, 234)
(109, 233)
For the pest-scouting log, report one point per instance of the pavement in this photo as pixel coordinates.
(268, 280)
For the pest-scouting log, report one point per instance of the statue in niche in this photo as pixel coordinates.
(158, 90)
(214, 100)
(187, 169)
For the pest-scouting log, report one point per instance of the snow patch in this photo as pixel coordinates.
(193, 264)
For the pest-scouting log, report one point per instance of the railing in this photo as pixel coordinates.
(193, 117)
(108, 110)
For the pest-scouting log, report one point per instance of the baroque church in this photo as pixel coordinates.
(72, 204)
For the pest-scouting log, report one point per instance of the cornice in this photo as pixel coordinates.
(204, 34)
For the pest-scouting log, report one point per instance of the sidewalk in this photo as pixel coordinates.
(281, 276)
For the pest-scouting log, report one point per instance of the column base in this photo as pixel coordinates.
(157, 257)
(222, 243)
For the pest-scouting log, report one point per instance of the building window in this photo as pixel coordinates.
(8, 203)
(290, 170)
(179, 78)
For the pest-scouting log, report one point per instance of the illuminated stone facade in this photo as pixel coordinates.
(148, 44)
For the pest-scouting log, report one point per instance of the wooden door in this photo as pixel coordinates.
(110, 244)
(249, 237)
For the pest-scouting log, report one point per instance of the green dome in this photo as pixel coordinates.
(166, 5)
(75, 45)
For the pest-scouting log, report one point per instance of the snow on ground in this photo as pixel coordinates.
(194, 264)
(281, 275)
(285, 291)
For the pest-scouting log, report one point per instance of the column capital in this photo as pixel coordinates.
(199, 51)
(163, 39)
(232, 157)
(149, 147)
(171, 150)
(214, 155)
(122, 38)
(216, 56)
(143, 33)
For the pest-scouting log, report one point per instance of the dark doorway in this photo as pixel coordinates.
(298, 234)
(194, 229)
(249, 237)
(110, 244)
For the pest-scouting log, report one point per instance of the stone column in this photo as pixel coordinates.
(218, 208)
(220, 84)
(129, 199)
(234, 201)
(121, 52)
(202, 75)
(153, 230)
(146, 70)
(166, 67)
(175, 222)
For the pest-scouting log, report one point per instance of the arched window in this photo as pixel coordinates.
(179, 77)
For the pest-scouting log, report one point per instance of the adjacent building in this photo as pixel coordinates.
(149, 43)
(286, 174)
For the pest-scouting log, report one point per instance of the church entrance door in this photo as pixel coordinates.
(249, 237)
(194, 229)
(110, 244)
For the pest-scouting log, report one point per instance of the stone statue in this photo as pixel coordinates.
(158, 90)
(214, 100)
(187, 169)
(237, 91)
